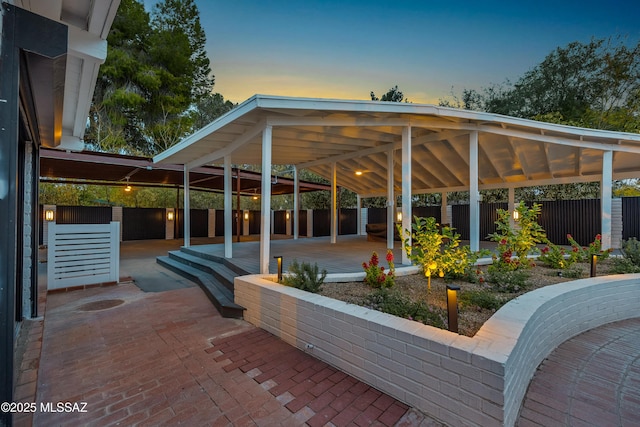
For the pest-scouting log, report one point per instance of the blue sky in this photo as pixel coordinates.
(346, 49)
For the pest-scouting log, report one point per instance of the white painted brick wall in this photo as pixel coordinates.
(456, 379)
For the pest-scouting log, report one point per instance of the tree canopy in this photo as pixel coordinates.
(155, 80)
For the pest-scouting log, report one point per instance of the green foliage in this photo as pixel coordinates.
(482, 299)
(514, 245)
(392, 95)
(375, 275)
(631, 250)
(393, 302)
(572, 272)
(553, 256)
(437, 249)
(624, 266)
(584, 254)
(305, 276)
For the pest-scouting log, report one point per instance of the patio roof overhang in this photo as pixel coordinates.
(358, 135)
(114, 169)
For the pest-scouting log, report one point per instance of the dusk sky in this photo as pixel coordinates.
(346, 49)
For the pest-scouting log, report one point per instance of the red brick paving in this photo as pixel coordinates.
(592, 379)
(331, 396)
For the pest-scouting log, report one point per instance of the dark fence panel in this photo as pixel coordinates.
(279, 222)
(83, 214)
(321, 222)
(488, 218)
(427, 212)
(143, 223)
(254, 222)
(220, 222)
(460, 220)
(302, 224)
(376, 215)
(199, 224)
(348, 221)
(580, 218)
(630, 217)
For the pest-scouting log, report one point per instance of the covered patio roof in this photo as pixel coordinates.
(386, 148)
(358, 135)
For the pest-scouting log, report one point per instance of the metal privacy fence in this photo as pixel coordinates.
(580, 218)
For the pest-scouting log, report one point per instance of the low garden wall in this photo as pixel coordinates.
(454, 378)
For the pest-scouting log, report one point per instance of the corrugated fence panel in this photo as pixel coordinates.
(220, 222)
(630, 217)
(254, 222)
(580, 218)
(302, 224)
(427, 212)
(321, 223)
(348, 221)
(279, 222)
(83, 214)
(460, 220)
(488, 218)
(377, 215)
(199, 224)
(144, 223)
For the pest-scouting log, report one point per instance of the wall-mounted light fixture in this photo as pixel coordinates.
(516, 215)
(399, 216)
(170, 215)
(452, 307)
(279, 260)
(49, 215)
(246, 216)
(287, 216)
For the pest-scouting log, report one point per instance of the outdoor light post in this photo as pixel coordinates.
(594, 261)
(452, 307)
(279, 259)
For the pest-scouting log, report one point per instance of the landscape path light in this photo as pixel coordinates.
(452, 307)
(279, 260)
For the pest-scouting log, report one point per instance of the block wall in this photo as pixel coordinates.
(456, 379)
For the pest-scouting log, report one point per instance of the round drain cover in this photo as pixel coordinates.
(101, 305)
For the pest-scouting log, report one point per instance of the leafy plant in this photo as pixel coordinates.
(631, 250)
(481, 299)
(375, 275)
(305, 276)
(437, 249)
(584, 254)
(553, 256)
(393, 302)
(508, 280)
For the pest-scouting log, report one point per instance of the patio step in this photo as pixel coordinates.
(215, 280)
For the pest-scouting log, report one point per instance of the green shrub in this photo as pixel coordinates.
(573, 272)
(375, 275)
(305, 276)
(508, 281)
(553, 256)
(394, 303)
(623, 266)
(482, 299)
(631, 250)
(583, 254)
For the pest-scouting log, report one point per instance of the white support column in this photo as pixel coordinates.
(228, 214)
(391, 200)
(187, 210)
(359, 214)
(334, 204)
(512, 205)
(605, 197)
(265, 209)
(296, 200)
(444, 213)
(406, 187)
(474, 194)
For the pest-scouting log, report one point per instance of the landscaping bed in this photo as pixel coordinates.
(477, 301)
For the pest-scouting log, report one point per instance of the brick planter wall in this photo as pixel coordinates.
(456, 379)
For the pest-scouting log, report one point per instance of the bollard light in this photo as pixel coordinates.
(594, 261)
(452, 307)
(279, 259)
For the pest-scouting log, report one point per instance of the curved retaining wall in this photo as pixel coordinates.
(456, 379)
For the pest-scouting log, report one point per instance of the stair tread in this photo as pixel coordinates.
(212, 286)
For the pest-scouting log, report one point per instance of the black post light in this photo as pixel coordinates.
(594, 261)
(279, 259)
(452, 307)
